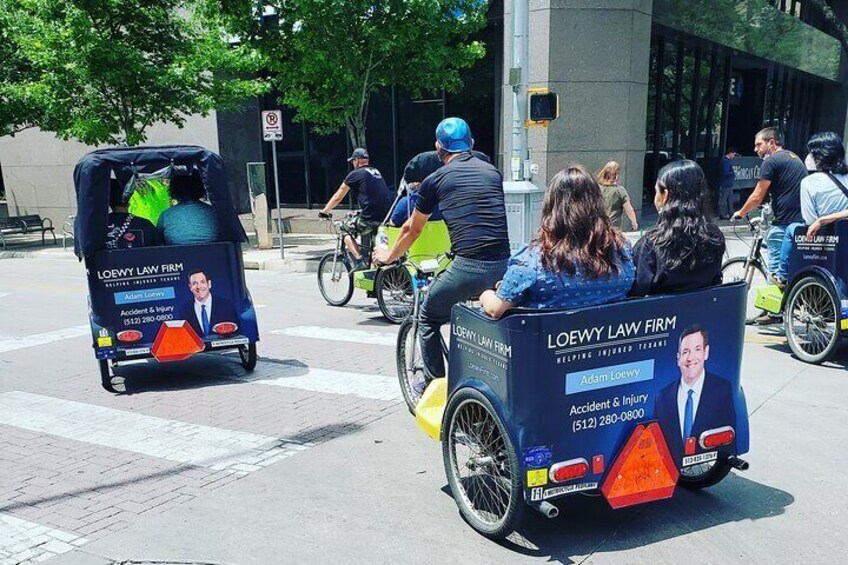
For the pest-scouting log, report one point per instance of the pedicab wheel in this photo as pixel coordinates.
(247, 353)
(481, 465)
(703, 475)
(108, 381)
(734, 270)
(394, 293)
(811, 321)
(335, 280)
(410, 365)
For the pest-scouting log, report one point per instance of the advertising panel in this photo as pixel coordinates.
(572, 385)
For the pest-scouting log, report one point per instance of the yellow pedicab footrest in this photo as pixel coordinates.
(769, 298)
(431, 408)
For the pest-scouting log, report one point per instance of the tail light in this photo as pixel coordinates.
(225, 328)
(717, 437)
(129, 336)
(569, 470)
(176, 341)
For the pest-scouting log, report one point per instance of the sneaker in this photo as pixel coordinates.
(767, 320)
(777, 281)
(419, 385)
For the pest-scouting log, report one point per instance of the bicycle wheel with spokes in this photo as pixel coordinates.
(394, 292)
(755, 277)
(481, 464)
(410, 364)
(335, 280)
(811, 321)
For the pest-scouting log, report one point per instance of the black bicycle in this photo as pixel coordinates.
(751, 267)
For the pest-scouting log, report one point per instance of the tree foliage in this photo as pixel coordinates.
(327, 57)
(104, 71)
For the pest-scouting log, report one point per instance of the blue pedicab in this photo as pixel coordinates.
(815, 300)
(142, 300)
(543, 404)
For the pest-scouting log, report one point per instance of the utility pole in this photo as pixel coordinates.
(518, 80)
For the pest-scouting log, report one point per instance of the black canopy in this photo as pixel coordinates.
(91, 180)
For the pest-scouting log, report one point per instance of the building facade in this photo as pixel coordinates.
(639, 81)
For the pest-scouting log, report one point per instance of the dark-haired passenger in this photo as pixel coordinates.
(577, 257)
(124, 230)
(684, 250)
(190, 220)
(823, 192)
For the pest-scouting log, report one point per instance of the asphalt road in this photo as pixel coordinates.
(313, 459)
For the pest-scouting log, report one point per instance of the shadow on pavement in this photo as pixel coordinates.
(584, 520)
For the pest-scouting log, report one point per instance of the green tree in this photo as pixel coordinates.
(327, 57)
(104, 71)
(17, 110)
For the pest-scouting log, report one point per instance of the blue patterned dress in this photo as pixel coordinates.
(528, 284)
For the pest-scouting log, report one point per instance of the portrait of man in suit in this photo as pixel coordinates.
(204, 310)
(698, 400)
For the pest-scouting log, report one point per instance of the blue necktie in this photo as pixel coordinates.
(688, 415)
(204, 319)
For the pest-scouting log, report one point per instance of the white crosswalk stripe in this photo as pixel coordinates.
(13, 343)
(293, 375)
(2, 294)
(22, 541)
(214, 448)
(339, 334)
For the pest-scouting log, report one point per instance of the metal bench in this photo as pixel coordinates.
(10, 226)
(33, 223)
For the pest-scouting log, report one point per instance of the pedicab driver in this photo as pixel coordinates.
(374, 198)
(469, 192)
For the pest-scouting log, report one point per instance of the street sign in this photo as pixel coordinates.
(272, 125)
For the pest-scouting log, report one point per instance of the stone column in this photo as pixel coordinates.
(595, 54)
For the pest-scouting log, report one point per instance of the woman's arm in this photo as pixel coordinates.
(823, 221)
(631, 214)
(493, 305)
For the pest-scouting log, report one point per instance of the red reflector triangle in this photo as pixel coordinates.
(643, 471)
(176, 341)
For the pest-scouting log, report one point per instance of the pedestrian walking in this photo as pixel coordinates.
(616, 199)
(728, 179)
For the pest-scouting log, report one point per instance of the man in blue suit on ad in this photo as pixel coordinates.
(204, 310)
(696, 402)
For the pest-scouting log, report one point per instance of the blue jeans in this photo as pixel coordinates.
(462, 280)
(786, 250)
(774, 243)
(725, 201)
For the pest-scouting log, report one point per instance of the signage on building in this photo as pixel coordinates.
(737, 88)
(747, 171)
(272, 125)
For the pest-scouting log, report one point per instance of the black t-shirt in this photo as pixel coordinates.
(370, 190)
(126, 231)
(470, 194)
(785, 170)
(424, 164)
(654, 277)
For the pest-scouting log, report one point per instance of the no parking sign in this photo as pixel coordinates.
(272, 125)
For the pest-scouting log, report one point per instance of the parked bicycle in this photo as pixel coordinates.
(751, 267)
(410, 363)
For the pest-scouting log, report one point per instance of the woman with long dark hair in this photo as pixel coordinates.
(576, 259)
(684, 250)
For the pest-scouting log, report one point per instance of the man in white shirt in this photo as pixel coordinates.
(698, 400)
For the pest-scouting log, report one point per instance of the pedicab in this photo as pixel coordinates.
(814, 302)
(543, 404)
(390, 284)
(144, 301)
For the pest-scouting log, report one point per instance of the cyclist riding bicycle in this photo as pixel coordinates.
(374, 198)
(469, 192)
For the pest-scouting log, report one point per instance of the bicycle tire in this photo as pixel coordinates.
(391, 281)
(704, 475)
(405, 375)
(345, 289)
(490, 496)
(811, 310)
(733, 270)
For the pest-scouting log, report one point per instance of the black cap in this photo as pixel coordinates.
(358, 153)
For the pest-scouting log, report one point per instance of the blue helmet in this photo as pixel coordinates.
(454, 135)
